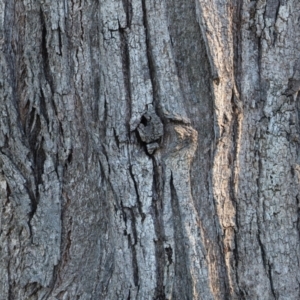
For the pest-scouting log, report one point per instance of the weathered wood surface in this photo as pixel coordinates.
(149, 149)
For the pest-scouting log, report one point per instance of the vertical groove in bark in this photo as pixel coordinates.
(157, 204)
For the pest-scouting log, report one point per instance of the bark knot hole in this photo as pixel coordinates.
(151, 127)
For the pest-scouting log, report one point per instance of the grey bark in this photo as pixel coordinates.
(149, 149)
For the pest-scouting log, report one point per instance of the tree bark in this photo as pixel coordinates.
(149, 149)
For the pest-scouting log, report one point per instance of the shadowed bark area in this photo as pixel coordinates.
(149, 149)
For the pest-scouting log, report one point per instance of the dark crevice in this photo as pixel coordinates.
(169, 252)
(237, 41)
(10, 58)
(24, 111)
(59, 41)
(34, 205)
(69, 159)
(126, 72)
(259, 60)
(95, 112)
(133, 249)
(275, 34)
(262, 250)
(104, 152)
(271, 281)
(135, 266)
(94, 41)
(127, 5)
(105, 111)
(61, 129)
(298, 215)
(128, 213)
(161, 297)
(44, 52)
(133, 224)
(157, 187)
(39, 163)
(232, 159)
(70, 156)
(32, 289)
(142, 143)
(124, 214)
(129, 297)
(263, 83)
(66, 250)
(257, 154)
(54, 278)
(266, 264)
(137, 194)
(177, 122)
(9, 277)
(81, 21)
(116, 138)
(144, 121)
(35, 142)
(8, 191)
(242, 295)
(43, 107)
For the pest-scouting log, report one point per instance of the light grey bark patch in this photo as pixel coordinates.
(182, 284)
(193, 67)
(170, 100)
(272, 8)
(177, 157)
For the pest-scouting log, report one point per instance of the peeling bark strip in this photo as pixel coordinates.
(149, 149)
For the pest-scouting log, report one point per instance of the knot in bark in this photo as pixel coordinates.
(183, 143)
(151, 128)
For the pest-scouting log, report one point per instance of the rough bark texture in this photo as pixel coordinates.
(149, 149)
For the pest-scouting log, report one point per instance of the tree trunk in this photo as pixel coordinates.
(149, 149)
